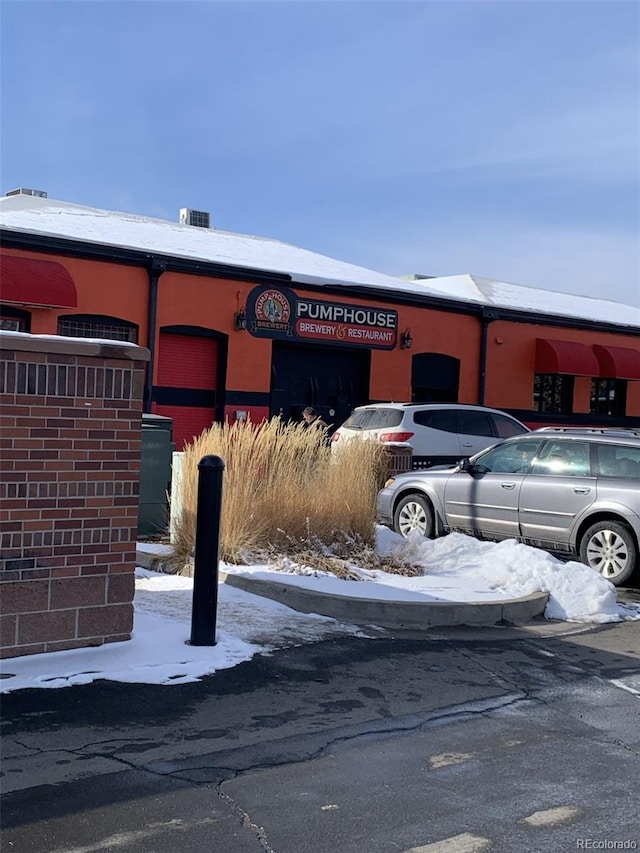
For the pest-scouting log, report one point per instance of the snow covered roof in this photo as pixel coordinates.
(32, 215)
(518, 297)
(42, 216)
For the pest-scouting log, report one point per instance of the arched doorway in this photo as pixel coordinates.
(435, 378)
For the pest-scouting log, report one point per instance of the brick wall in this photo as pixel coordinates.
(70, 421)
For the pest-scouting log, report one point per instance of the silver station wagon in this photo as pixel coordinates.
(568, 491)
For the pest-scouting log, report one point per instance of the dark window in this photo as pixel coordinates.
(474, 423)
(435, 378)
(14, 319)
(444, 420)
(553, 393)
(11, 324)
(97, 326)
(608, 397)
(617, 460)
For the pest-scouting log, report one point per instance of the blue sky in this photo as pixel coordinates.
(496, 138)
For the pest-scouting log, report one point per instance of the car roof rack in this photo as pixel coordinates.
(625, 432)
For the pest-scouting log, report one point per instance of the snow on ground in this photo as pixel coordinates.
(456, 568)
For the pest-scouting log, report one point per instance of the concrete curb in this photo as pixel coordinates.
(395, 614)
(385, 614)
(154, 562)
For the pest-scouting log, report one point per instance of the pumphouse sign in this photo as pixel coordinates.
(277, 312)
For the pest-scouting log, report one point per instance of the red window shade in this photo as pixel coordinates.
(618, 362)
(30, 281)
(565, 357)
(187, 361)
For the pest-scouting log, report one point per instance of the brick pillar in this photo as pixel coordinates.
(70, 415)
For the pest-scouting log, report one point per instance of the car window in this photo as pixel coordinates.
(442, 419)
(563, 458)
(474, 423)
(508, 458)
(373, 419)
(615, 460)
(506, 427)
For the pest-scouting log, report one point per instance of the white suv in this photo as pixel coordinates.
(438, 433)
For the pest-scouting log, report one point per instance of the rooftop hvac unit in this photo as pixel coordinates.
(25, 191)
(199, 218)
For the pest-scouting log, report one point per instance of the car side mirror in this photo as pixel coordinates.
(465, 465)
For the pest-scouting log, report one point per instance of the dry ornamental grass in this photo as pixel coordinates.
(286, 493)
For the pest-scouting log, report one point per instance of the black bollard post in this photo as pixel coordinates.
(205, 569)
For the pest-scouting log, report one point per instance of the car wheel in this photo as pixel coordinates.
(414, 513)
(609, 548)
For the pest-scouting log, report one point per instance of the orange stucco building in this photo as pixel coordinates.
(243, 327)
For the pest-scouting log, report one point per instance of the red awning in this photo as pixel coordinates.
(618, 362)
(565, 357)
(27, 281)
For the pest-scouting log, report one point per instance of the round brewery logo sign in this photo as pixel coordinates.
(273, 309)
(278, 312)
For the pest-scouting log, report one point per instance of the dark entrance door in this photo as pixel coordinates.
(435, 378)
(333, 381)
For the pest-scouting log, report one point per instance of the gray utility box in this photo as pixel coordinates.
(155, 474)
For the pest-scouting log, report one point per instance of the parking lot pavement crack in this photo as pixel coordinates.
(593, 734)
(114, 747)
(218, 767)
(247, 822)
(634, 750)
(500, 680)
(87, 751)
(35, 750)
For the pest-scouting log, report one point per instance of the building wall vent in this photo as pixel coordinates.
(199, 218)
(25, 191)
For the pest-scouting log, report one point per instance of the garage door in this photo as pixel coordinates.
(187, 380)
